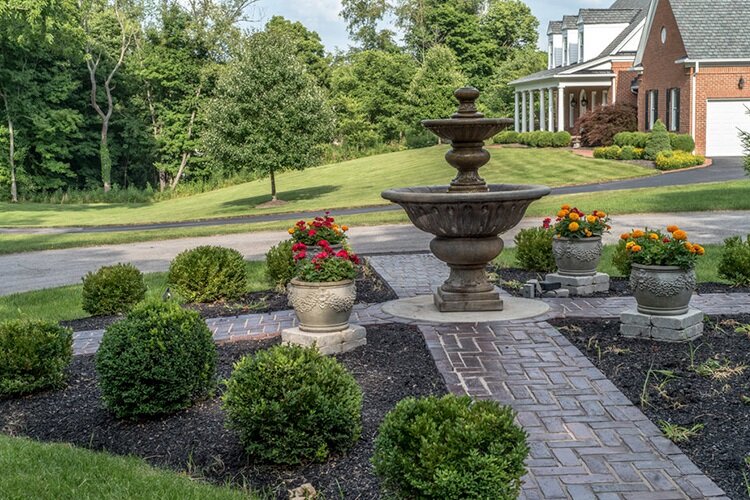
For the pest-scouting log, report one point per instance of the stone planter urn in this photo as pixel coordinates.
(322, 307)
(577, 256)
(662, 290)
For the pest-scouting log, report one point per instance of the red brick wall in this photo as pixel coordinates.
(716, 82)
(621, 85)
(660, 71)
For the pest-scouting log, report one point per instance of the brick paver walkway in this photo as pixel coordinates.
(587, 439)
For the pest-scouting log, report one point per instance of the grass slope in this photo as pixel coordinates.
(352, 183)
(61, 472)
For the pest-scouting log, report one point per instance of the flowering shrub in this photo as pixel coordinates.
(671, 160)
(320, 228)
(326, 265)
(572, 223)
(655, 248)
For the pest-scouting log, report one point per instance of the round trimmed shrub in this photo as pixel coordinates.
(561, 139)
(534, 249)
(33, 356)
(734, 264)
(291, 404)
(450, 448)
(159, 359)
(682, 142)
(506, 137)
(112, 290)
(607, 152)
(208, 274)
(280, 263)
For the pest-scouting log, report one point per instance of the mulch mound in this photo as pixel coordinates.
(677, 394)
(394, 364)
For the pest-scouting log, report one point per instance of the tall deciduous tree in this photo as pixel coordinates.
(362, 18)
(431, 91)
(268, 114)
(309, 48)
(499, 96)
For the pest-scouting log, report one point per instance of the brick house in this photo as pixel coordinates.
(686, 62)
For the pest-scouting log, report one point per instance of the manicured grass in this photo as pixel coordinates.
(62, 472)
(64, 303)
(705, 269)
(353, 183)
(732, 195)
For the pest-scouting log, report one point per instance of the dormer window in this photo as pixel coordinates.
(565, 51)
(663, 35)
(580, 45)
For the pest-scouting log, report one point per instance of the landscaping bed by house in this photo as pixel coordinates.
(394, 364)
(702, 387)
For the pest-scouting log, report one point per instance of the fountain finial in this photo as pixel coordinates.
(467, 108)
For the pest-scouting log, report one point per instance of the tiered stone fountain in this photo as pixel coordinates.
(467, 216)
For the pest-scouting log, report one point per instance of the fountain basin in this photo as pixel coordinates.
(466, 215)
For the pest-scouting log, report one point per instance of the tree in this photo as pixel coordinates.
(268, 114)
(499, 96)
(309, 48)
(362, 18)
(431, 90)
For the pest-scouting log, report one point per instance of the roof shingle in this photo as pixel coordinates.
(607, 16)
(554, 28)
(714, 30)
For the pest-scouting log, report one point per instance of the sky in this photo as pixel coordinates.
(322, 16)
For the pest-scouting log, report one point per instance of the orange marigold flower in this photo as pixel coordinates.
(290, 230)
(699, 249)
(629, 244)
(679, 235)
(562, 213)
(574, 216)
(601, 215)
(653, 236)
(638, 233)
(565, 207)
(672, 228)
(625, 236)
(688, 245)
(588, 233)
(636, 248)
(573, 226)
(591, 219)
(344, 228)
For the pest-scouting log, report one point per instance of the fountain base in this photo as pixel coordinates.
(467, 302)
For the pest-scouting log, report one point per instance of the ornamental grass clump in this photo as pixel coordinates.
(450, 448)
(649, 247)
(291, 404)
(326, 265)
(572, 223)
(320, 228)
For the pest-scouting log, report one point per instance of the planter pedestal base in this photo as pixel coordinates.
(581, 285)
(328, 342)
(467, 302)
(679, 328)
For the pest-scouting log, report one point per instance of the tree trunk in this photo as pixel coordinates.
(186, 155)
(105, 158)
(273, 186)
(11, 151)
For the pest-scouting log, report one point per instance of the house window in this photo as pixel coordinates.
(673, 110)
(652, 108)
(550, 62)
(573, 53)
(565, 51)
(580, 45)
(558, 57)
(663, 35)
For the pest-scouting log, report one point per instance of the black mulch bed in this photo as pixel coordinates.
(371, 289)
(688, 398)
(394, 364)
(618, 286)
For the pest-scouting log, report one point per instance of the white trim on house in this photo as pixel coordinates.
(644, 34)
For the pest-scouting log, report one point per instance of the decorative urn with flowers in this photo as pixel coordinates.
(322, 228)
(323, 291)
(662, 275)
(577, 241)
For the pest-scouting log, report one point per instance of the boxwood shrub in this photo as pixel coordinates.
(158, 360)
(534, 249)
(634, 139)
(506, 137)
(113, 290)
(535, 139)
(671, 160)
(280, 263)
(631, 153)
(561, 139)
(291, 404)
(33, 356)
(208, 274)
(608, 152)
(734, 264)
(450, 448)
(682, 142)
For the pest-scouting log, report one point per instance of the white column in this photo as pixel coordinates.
(550, 111)
(560, 108)
(542, 110)
(515, 109)
(531, 110)
(523, 112)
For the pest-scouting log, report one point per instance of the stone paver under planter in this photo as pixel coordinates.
(587, 439)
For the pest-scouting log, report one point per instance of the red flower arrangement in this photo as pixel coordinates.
(326, 265)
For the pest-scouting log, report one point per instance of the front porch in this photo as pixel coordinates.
(557, 108)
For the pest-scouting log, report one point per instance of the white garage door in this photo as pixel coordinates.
(723, 118)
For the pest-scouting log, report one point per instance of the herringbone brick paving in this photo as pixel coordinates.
(587, 440)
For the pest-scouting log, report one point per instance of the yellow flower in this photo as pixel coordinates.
(591, 219)
(679, 235)
(636, 248)
(630, 244)
(290, 230)
(573, 226)
(672, 228)
(562, 213)
(653, 236)
(588, 233)
(574, 216)
(638, 233)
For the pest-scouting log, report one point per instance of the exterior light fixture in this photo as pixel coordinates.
(584, 102)
(741, 83)
(573, 103)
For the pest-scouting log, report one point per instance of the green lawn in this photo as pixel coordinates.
(352, 183)
(64, 303)
(63, 472)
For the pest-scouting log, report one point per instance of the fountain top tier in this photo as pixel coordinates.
(467, 129)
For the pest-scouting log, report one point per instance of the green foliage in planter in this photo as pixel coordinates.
(291, 404)
(534, 249)
(672, 160)
(113, 290)
(621, 259)
(634, 139)
(33, 356)
(158, 360)
(450, 448)
(608, 152)
(561, 139)
(280, 263)
(658, 141)
(734, 264)
(506, 137)
(208, 274)
(682, 142)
